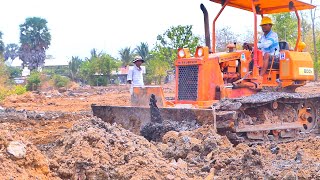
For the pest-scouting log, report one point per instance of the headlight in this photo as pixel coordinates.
(200, 52)
(181, 53)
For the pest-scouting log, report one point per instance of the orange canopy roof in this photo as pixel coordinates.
(267, 6)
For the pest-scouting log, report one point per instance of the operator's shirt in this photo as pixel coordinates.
(268, 43)
(136, 76)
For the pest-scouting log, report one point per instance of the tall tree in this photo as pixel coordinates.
(98, 70)
(11, 51)
(35, 39)
(74, 66)
(1, 44)
(86, 71)
(95, 54)
(174, 38)
(285, 24)
(157, 70)
(105, 65)
(224, 37)
(143, 51)
(126, 56)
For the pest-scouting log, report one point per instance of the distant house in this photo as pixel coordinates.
(58, 66)
(121, 73)
(47, 63)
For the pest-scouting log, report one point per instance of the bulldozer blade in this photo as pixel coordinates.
(135, 118)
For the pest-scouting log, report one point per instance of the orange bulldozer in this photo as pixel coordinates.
(225, 89)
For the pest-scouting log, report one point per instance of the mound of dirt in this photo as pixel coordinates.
(20, 159)
(28, 97)
(94, 149)
(202, 151)
(293, 160)
(194, 148)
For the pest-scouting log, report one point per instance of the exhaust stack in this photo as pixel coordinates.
(206, 25)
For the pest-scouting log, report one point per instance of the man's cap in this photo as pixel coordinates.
(137, 58)
(266, 20)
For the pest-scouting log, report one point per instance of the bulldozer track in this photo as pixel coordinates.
(273, 117)
(263, 117)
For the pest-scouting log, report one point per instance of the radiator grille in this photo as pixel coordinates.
(188, 82)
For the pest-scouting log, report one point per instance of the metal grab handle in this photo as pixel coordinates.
(275, 50)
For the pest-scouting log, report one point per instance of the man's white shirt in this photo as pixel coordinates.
(136, 76)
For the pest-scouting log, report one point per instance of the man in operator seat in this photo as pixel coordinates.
(268, 43)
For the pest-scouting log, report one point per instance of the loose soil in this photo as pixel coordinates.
(64, 141)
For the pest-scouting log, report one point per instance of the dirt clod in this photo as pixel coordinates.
(62, 140)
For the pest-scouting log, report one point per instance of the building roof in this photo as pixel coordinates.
(48, 62)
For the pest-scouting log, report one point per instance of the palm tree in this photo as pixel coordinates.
(35, 39)
(126, 56)
(11, 51)
(95, 54)
(74, 66)
(1, 44)
(143, 51)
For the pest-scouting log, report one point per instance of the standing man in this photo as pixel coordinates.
(135, 76)
(268, 43)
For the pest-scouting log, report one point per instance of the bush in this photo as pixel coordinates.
(60, 81)
(33, 81)
(5, 91)
(19, 90)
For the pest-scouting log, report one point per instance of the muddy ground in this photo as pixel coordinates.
(52, 134)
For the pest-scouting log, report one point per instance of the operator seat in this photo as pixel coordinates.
(283, 45)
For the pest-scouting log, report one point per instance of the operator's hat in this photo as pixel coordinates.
(266, 20)
(137, 58)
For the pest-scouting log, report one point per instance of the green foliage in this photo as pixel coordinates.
(14, 72)
(106, 64)
(74, 67)
(35, 33)
(172, 39)
(224, 37)
(3, 73)
(143, 51)
(86, 71)
(285, 25)
(60, 81)
(157, 70)
(95, 54)
(98, 70)
(11, 51)
(35, 38)
(126, 56)
(33, 81)
(4, 93)
(1, 45)
(18, 89)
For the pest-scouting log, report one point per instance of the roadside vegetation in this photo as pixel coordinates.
(100, 67)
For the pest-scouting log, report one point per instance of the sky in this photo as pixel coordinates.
(77, 26)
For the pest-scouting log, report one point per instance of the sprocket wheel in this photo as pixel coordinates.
(307, 116)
